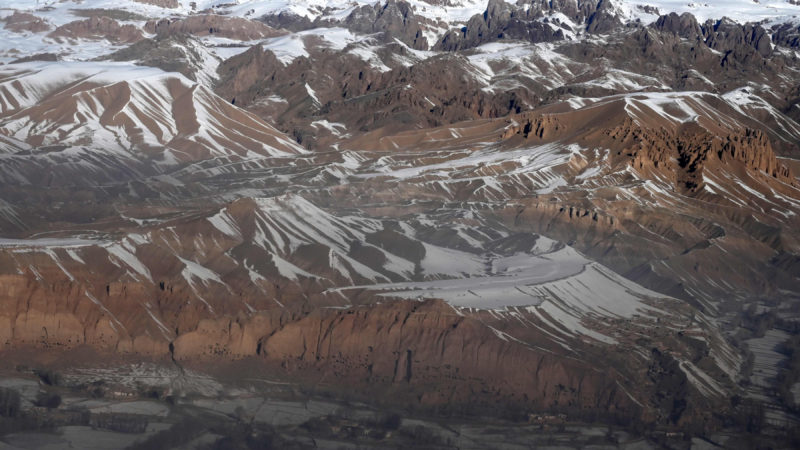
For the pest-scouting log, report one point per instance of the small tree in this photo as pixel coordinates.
(48, 400)
(9, 402)
(48, 376)
(392, 421)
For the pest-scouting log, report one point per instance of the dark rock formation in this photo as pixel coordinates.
(394, 19)
(786, 35)
(534, 24)
(685, 25)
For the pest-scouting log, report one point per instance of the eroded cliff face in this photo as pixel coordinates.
(63, 315)
(424, 353)
(442, 356)
(679, 153)
(684, 156)
(412, 352)
(435, 353)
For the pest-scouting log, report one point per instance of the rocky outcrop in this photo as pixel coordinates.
(684, 157)
(244, 76)
(754, 150)
(603, 19)
(530, 125)
(500, 21)
(161, 3)
(786, 35)
(170, 53)
(20, 22)
(98, 27)
(237, 28)
(739, 40)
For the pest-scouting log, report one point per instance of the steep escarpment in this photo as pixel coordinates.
(430, 354)
(35, 319)
(411, 352)
(421, 345)
(499, 21)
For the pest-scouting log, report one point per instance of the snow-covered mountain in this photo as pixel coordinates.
(55, 27)
(123, 108)
(84, 123)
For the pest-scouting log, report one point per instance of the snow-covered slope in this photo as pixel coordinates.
(438, 17)
(129, 111)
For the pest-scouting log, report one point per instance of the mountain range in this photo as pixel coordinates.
(566, 206)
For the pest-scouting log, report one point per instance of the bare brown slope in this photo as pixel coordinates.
(98, 27)
(209, 24)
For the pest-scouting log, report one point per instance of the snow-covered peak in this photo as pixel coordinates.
(59, 11)
(738, 10)
(451, 12)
